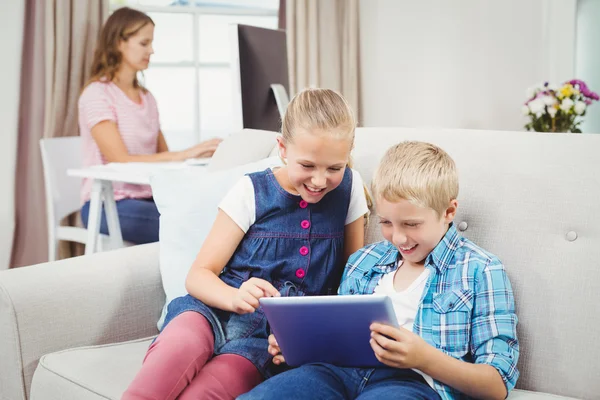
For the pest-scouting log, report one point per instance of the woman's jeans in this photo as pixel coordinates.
(138, 219)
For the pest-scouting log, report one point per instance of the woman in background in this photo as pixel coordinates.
(118, 121)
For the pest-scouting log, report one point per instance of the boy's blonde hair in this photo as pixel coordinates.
(418, 172)
(321, 109)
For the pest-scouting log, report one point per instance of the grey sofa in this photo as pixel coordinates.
(79, 328)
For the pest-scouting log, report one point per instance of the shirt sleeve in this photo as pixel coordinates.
(96, 105)
(349, 283)
(494, 324)
(356, 276)
(358, 202)
(239, 204)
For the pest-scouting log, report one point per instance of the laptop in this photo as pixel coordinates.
(327, 329)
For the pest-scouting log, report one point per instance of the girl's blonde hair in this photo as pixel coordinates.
(120, 26)
(324, 110)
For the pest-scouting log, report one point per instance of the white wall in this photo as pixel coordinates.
(587, 56)
(461, 63)
(11, 41)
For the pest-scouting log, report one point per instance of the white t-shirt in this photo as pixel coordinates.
(240, 205)
(406, 303)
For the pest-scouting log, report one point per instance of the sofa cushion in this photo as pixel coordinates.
(104, 372)
(97, 372)
(107, 297)
(187, 200)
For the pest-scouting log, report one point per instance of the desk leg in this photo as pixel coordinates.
(112, 217)
(93, 227)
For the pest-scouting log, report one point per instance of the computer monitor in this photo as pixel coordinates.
(259, 60)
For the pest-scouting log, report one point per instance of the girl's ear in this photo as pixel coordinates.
(281, 147)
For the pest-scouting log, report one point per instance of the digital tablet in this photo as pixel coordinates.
(328, 329)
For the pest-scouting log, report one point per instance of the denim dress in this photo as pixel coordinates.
(297, 246)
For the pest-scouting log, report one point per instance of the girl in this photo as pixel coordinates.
(118, 121)
(281, 232)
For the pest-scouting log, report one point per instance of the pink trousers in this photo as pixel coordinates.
(180, 365)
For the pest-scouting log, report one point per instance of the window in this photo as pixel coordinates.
(190, 74)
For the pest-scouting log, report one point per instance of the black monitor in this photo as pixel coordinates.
(259, 60)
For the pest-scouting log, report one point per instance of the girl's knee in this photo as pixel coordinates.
(187, 335)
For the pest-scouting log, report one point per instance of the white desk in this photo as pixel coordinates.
(102, 192)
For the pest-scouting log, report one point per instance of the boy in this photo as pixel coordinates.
(453, 300)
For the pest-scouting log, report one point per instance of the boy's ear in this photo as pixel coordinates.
(281, 147)
(451, 211)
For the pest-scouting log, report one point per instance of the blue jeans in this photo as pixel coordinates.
(328, 382)
(138, 219)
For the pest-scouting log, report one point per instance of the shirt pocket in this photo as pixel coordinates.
(451, 320)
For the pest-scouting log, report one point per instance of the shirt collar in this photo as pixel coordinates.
(442, 255)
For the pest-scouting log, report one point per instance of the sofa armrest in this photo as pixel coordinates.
(90, 300)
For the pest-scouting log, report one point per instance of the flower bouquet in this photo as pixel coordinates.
(558, 109)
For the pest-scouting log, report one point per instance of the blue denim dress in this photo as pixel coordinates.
(298, 247)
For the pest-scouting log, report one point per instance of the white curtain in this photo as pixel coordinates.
(11, 43)
(59, 41)
(322, 45)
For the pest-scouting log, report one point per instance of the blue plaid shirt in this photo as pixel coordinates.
(467, 309)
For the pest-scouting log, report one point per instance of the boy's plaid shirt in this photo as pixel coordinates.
(467, 309)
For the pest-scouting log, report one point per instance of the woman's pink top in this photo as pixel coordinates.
(138, 125)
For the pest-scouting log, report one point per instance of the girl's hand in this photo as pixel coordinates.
(204, 149)
(275, 351)
(246, 298)
(400, 349)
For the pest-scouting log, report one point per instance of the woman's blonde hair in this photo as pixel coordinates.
(122, 24)
(418, 172)
(322, 110)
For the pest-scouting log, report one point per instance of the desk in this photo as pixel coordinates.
(102, 192)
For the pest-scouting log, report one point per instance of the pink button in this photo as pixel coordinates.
(300, 273)
(304, 250)
(303, 204)
(305, 224)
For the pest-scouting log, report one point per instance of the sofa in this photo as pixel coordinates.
(79, 328)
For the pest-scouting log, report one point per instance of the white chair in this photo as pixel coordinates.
(63, 192)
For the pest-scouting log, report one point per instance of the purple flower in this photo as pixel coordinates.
(585, 91)
(578, 82)
(589, 94)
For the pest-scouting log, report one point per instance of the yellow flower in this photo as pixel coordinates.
(566, 90)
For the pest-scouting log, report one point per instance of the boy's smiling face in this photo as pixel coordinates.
(414, 230)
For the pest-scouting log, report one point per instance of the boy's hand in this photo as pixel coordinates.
(400, 349)
(275, 351)
(246, 298)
